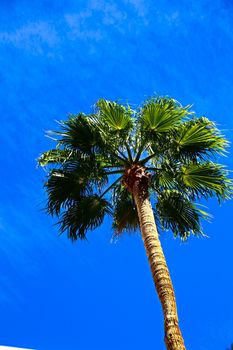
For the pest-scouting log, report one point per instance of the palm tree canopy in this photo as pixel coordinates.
(87, 171)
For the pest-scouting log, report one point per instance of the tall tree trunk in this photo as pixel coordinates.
(158, 265)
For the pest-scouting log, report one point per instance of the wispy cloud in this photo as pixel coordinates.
(94, 22)
(33, 36)
(140, 7)
(83, 24)
(99, 19)
(77, 28)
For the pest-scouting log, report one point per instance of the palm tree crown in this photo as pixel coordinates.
(98, 156)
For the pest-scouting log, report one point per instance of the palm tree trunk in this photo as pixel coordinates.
(158, 266)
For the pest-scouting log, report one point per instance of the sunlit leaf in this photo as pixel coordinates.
(54, 156)
(198, 138)
(162, 114)
(207, 179)
(114, 116)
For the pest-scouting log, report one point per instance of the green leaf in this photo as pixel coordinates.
(198, 138)
(63, 190)
(114, 116)
(80, 133)
(84, 216)
(125, 217)
(160, 115)
(207, 179)
(164, 177)
(90, 169)
(54, 156)
(177, 213)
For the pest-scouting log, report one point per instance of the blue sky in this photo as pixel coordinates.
(58, 58)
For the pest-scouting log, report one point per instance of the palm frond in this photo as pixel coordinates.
(54, 156)
(114, 116)
(64, 189)
(164, 177)
(125, 217)
(160, 115)
(207, 179)
(89, 169)
(177, 213)
(85, 215)
(198, 137)
(80, 133)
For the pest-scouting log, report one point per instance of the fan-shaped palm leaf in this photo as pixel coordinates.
(87, 214)
(63, 189)
(80, 133)
(178, 213)
(114, 117)
(198, 138)
(162, 114)
(207, 179)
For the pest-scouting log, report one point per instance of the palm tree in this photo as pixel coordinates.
(144, 168)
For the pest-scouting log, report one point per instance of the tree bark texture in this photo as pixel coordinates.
(162, 280)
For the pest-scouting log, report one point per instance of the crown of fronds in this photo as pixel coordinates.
(93, 151)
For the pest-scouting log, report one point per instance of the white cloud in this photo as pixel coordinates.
(75, 22)
(140, 6)
(31, 36)
(98, 14)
